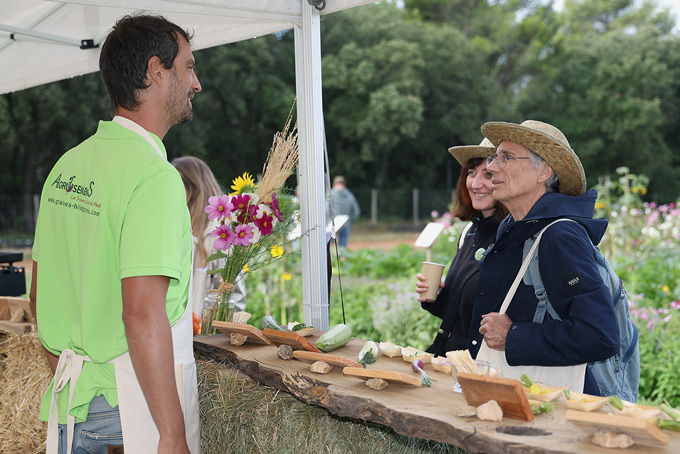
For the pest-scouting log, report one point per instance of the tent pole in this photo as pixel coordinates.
(311, 169)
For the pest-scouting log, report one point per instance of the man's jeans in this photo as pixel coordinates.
(343, 235)
(94, 436)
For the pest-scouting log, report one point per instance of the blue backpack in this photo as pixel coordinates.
(620, 374)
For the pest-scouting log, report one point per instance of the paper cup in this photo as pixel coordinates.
(433, 276)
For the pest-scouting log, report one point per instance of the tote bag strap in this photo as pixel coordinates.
(524, 267)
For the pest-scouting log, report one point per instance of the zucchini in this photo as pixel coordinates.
(335, 337)
(269, 322)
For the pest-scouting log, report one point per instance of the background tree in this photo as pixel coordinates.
(38, 125)
(401, 85)
(607, 86)
(248, 91)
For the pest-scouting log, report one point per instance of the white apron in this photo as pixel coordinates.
(140, 434)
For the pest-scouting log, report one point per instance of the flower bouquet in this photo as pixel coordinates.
(252, 222)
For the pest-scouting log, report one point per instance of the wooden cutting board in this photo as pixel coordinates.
(640, 430)
(333, 360)
(17, 328)
(388, 375)
(289, 338)
(509, 393)
(253, 334)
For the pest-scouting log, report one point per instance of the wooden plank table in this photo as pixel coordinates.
(416, 412)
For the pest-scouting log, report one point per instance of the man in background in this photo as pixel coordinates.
(113, 242)
(343, 202)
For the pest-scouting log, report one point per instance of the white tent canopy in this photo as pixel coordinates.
(45, 41)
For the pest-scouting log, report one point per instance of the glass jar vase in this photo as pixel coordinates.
(225, 309)
(210, 304)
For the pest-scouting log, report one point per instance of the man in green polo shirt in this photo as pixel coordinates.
(113, 245)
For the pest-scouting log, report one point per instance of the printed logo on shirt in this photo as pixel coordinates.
(574, 281)
(71, 186)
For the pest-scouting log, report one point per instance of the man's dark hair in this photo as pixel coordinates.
(126, 53)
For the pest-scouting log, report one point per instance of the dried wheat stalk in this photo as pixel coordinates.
(281, 160)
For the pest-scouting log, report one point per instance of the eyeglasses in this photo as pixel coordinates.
(501, 160)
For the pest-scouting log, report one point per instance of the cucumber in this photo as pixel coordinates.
(269, 322)
(335, 337)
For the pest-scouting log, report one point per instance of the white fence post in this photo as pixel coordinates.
(415, 207)
(374, 206)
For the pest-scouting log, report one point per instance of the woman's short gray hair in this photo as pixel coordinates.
(553, 183)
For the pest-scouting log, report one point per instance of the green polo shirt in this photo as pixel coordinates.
(111, 208)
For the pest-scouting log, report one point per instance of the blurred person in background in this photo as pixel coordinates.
(343, 202)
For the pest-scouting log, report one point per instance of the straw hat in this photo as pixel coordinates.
(464, 153)
(549, 143)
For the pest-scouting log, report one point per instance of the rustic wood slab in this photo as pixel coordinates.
(640, 430)
(388, 375)
(19, 309)
(412, 411)
(510, 395)
(333, 360)
(253, 334)
(295, 340)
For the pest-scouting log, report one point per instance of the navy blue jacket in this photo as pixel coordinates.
(588, 330)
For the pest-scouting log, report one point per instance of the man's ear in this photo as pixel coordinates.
(154, 70)
(545, 173)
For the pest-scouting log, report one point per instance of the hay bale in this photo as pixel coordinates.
(239, 415)
(24, 379)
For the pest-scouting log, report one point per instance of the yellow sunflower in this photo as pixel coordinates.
(246, 181)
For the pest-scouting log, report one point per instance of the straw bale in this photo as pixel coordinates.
(24, 379)
(239, 415)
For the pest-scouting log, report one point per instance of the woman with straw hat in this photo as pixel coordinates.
(539, 178)
(473, 202)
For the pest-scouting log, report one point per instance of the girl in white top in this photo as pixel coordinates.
(200, 184)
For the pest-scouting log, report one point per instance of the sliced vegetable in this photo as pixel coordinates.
(668, 424)
(616, 402)
(335, 337)
(567, 394)
(269, 322)
(417, 366)
(669, 410)
(369, 353)
(526, 381)
(543, 407)
(299, 326)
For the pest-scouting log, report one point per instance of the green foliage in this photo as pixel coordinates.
(659, 361)
(248, 89)
(397, 316)
(401, 85)
(610, 93)
(378, 264)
